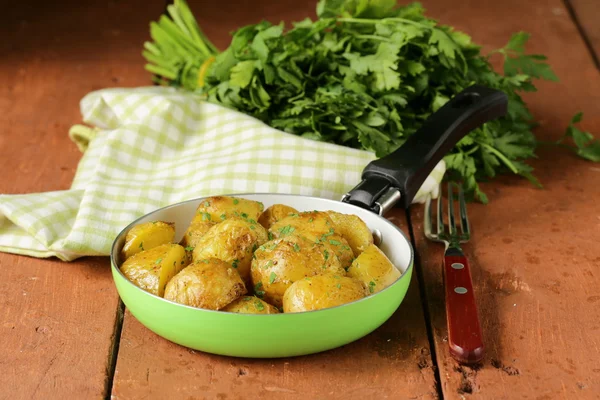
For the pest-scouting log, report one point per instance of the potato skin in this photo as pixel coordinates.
(232, 241)
(353, 229)
(322, 291)
(194, 233)
(210, 283)
(220, 208)
(374, 269)
(275, 213)
(279, 263)
(152, 269)
(146, 236)
(251, 305)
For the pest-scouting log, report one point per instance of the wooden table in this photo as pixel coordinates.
(536, 253)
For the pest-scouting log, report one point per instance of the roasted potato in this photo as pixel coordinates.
(220, 208)
(251, 305)
(208, 283)
(322, 291)
(353, 229)
(194, 233)
(152, 269)
(317, 227)
(275, 213)
(373, 268)
(146, 236)
(279, 263)
(310, 224)
(233, 241)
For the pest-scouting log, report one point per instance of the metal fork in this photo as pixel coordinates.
(464, 330)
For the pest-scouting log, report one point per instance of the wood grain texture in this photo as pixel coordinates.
(587, 13)
(534, 253)
(393, 362)
(57, 319)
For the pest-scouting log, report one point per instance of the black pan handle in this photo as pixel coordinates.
(398, 176)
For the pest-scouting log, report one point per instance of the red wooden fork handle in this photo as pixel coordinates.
(464, 331)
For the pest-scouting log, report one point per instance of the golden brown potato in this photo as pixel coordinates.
(194, 233)
(322, 291)
(152, 269)
(146, 236)
(310, 224)
(208, 283)
(374, 269)
(275, 213)
(220, 208)
(251, 305)
(233, 241)
(353, 229)
(315, 226)
(279, 263)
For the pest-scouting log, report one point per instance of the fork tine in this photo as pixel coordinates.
(451, 220)
(464, 220)
(440, 218)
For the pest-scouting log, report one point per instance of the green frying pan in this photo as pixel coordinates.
(386, 182)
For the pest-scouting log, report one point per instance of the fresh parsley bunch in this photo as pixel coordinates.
(365, 74)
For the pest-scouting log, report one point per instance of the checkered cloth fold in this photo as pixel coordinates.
(153, 146)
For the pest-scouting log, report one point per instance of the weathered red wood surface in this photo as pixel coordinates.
(57, 320)
(534, 253)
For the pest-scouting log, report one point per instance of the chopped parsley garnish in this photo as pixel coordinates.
(272, 277)
(311, 219)
(206, 204)
(247, 298)
(326, 254)
(223, 216)
(338, 286)
(371, 287)
(346, 269)
(270, 236)
(235, 201)
(244, 215)
(158, 261)
(235, 262)
(141, 246)
(296, 247)
(259, 293)
(189, 248)
(205, 216)
(259, 305)
(252, 227)
(268, 264)
(335, 242)
(286, 230)
(344, 247)
(205, 261)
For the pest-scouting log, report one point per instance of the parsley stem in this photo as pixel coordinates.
(383, 20)
(374, 37)
(501, 156)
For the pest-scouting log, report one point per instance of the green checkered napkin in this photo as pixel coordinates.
(156, 146)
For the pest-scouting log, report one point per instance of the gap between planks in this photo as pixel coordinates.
(426, 315)
(571, 9)
(113, 355)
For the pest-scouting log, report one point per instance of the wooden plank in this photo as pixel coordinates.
(393, 362)
(534, 253)
(57, 320)
(587, 14)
